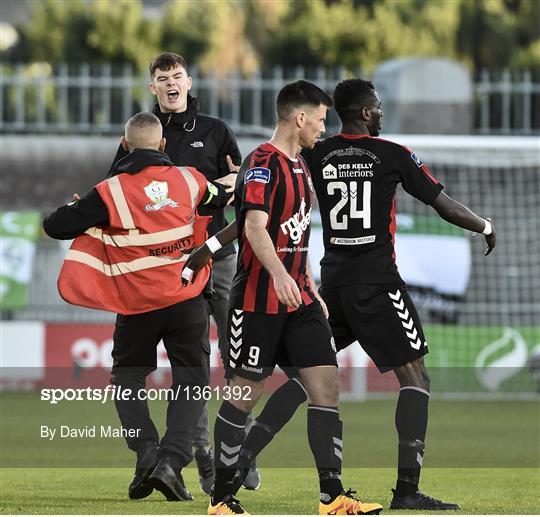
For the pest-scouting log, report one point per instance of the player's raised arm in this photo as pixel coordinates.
(255, 230)
(456, 213)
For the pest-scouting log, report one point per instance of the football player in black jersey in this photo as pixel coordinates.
(355, 175)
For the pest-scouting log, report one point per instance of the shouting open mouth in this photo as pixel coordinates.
(173, 95)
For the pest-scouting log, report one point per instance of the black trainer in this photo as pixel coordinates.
(147, 459)
(169, 481)
(420, 501)
(205, 466)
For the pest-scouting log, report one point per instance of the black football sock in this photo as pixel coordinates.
(229, 434)
(411, 425)
(279, 409)
(325, 435)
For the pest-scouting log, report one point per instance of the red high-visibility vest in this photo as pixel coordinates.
(134, 265)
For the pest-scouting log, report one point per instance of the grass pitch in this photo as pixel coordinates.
(482, 455)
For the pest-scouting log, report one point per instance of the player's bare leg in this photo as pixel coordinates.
(325, 436)
(411, 425)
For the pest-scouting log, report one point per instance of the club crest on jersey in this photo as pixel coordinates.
(158, 192)
(258, 174)
(329, 172)
(296, 225)
(416, 160)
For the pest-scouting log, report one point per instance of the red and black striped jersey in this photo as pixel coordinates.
(355, 178)
(270, 181)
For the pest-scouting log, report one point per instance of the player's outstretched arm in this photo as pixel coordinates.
(456, 213)
(286, 289)
(200, 257)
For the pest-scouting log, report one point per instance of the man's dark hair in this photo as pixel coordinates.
(300, 93)
(166, 61)
(351, 96)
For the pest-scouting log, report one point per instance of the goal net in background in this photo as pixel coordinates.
(481, 315)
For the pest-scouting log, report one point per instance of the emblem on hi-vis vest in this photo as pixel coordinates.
(157, 192)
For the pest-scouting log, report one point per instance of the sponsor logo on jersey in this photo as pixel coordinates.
(196, 144)
(355, 166)
(251, 369)
(296, 225)
(158, 191)
(416, 160)
(329, 172)
(355, 170)
(352, 151)
(292, 249)
(258, 174)
(353, 241)
(298, 171)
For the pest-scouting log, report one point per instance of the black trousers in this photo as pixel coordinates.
(184, 330)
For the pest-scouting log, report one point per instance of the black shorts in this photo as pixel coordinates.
(382, 318)
(258, 342)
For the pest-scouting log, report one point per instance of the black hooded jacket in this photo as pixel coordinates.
(202, 142)
(73, 219)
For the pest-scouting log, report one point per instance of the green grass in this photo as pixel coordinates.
(483, 455)
(283, 491)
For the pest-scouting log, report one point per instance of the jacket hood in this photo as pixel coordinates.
(183, 119)
(140, 159)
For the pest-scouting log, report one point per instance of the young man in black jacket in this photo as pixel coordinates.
(209, 145)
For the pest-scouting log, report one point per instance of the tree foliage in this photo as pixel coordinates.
(226, 35)
(75, 31)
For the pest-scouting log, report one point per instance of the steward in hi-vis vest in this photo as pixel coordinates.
(133, 233)
(134, 264)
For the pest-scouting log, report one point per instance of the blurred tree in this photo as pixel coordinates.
(186, 28)
(120, 33)
(411, 28)
(225, 35)
(494, 34)
(306, 32)
(76, 31)
(209, 33)
(351, 33)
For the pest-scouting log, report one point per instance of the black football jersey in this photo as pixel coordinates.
(355, 179)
